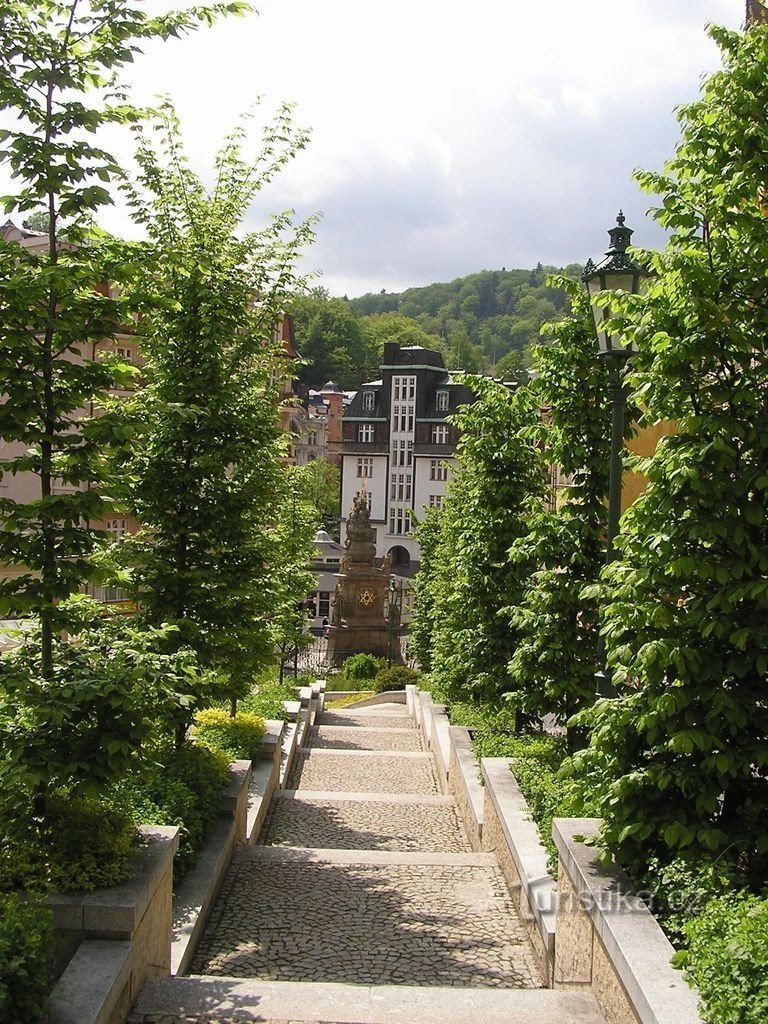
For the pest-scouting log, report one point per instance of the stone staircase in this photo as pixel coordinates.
(362, 904)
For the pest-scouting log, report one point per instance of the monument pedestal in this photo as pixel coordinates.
(366, 618)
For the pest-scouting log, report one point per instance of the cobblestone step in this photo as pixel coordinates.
(367, 719)
(361, 770)
(234, 1001)
(367, 918)
(339, 823)
(343, 737)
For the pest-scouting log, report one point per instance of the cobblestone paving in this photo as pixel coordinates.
(355, 825)
(174, 1018)
(343, 738)
(362, 774)
(369, 924)
(366, 721)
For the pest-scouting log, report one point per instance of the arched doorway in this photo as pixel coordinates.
(400, 556)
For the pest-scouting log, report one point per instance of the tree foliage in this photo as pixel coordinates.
(206, 477)
(680, 758)
(59, 59)
(470, 578)
(475, 322)
(553, 666)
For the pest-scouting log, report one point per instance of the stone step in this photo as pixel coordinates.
(367, 918)
(363, 770)
(343, 737)
(386, 719)
(339, 823)
(234, 1001)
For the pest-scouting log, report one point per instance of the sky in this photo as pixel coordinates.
(447, 137)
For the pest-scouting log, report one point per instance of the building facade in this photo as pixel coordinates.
(398, 448)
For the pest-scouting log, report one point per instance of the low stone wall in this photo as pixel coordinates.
(464, 784)
(115, 938)
(197, 892)
(509, 832)
(607, 938)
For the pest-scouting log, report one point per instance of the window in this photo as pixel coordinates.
(365, 432)
(324, 604)
(125, 353)
(116, 527)
(410, 419)
(365, 468)
(437, 471)
(369, 401)
(435, 501)
(441, 403)
(367, 496)
(440, 435)
(399, 520)
(393, 486)
(410, 452)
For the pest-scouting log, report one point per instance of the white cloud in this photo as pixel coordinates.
(448, 137)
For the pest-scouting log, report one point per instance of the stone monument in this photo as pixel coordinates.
(366, 613)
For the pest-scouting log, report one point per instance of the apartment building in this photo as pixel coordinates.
(398, 448)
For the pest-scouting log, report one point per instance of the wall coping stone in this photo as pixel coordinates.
(272, 739)
(93, 984)
(523, 840)
(461, 743)
(239, 777)
(292, 708)
(633, 939)
(119, 909)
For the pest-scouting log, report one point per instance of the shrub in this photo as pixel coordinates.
(361, 668)
(266, 699)
(238, 737)
(66, 843)
(680, 890)
(396, 677)
(726, 959)
(85, 726)
(183, 788)
(26, 955)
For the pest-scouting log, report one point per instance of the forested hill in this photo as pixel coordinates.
(485, 321)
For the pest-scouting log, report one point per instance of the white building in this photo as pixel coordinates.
(398, 447)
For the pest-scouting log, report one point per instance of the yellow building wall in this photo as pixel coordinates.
(644, 443)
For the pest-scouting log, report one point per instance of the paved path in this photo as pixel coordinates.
(363, 879)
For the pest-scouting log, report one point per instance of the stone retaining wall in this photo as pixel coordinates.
(104, 977)
(509, 832)
(607, 938)
(464, 784)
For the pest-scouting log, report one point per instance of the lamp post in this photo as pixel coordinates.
(617, 271)
(393, 607)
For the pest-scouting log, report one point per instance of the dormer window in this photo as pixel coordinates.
(369, 401)
(442, 401)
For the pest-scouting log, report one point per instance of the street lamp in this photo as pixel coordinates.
(617, 271)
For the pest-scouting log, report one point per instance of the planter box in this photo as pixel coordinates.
(607, 938)
(114, 939)
(509, 832)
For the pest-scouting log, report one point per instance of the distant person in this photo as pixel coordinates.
(325, 627)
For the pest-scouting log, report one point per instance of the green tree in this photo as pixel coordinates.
(679, 758)
(58, 63)
(380, 329)
(322, 487)
(296, 525)
(330, 339)
(426, 590)
(206, 476)
(471, 579)
(553, 667)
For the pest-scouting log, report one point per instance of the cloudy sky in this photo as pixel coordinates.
(448, 137)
